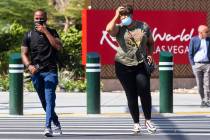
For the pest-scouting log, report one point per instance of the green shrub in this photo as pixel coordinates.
(10, 41)
(68, 84)
(71, 54)
(4, 82)
(11, 37)
(28, 86)
(74, 86)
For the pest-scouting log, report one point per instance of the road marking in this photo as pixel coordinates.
(23, 127)
(106, 133)
(111, 114)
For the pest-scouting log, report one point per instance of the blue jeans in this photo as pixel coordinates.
(45, 84)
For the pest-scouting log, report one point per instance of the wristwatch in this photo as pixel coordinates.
(27, 65)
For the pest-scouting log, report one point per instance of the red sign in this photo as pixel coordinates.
(171, 31)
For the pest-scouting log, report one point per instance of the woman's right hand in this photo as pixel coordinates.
(32, 69)
(117, 12)
(111, 27)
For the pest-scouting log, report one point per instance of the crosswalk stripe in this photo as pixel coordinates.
(99, 130)
(104, 133)
(197, 126)
(117, 127)
(12, 117)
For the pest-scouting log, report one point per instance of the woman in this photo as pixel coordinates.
(132, 37)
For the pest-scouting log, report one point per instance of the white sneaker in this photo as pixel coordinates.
(57, 130)
(150, 126)
(48, 132)
(136, 128)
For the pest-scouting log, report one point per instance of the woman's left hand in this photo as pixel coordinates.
(150, 59)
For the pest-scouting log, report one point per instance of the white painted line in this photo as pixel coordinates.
(180, 122)
(166, 63)
(107, 133)
(93, 70)
(165, 68)
(109, 129)
(78, 128)
(16, 66)
(184, 134)
(15, 71)
(20, 133)
(53, 139)
(105, 119)
(93, 65)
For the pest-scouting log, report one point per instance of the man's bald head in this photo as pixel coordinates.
(202, 28)
(202, 31)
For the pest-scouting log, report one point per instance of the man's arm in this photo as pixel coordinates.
(26, 60)
(54, 41)
(25, 56)
(191, 53)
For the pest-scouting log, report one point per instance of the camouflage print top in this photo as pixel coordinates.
(126, 53)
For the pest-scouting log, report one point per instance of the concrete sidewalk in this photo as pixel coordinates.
(111, 103)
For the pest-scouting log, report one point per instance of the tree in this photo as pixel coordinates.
(70, 10)
(20, 11)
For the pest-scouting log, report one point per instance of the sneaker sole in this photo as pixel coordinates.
(151, 131)
(48, 135)
(136, 132)
(57, 133)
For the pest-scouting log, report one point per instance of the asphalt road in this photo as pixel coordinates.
(182, 127)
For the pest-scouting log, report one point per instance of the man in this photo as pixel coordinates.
(199, 56)
(39, 52)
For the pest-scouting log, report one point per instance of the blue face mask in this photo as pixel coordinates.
(126, 21)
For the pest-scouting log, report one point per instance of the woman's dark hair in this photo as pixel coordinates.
(128, 9)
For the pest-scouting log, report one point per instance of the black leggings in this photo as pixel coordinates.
(135, 83)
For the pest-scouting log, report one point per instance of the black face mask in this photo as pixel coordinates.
(40, 21)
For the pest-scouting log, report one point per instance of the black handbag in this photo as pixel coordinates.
(149, 67)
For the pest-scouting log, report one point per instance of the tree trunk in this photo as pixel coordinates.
(66, 25)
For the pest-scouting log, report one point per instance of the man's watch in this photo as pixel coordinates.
(27, 65)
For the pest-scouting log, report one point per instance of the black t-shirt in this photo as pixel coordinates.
(40, 50)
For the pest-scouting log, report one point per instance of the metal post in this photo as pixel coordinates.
(166, 82)
(93, 83)
(15, 84)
